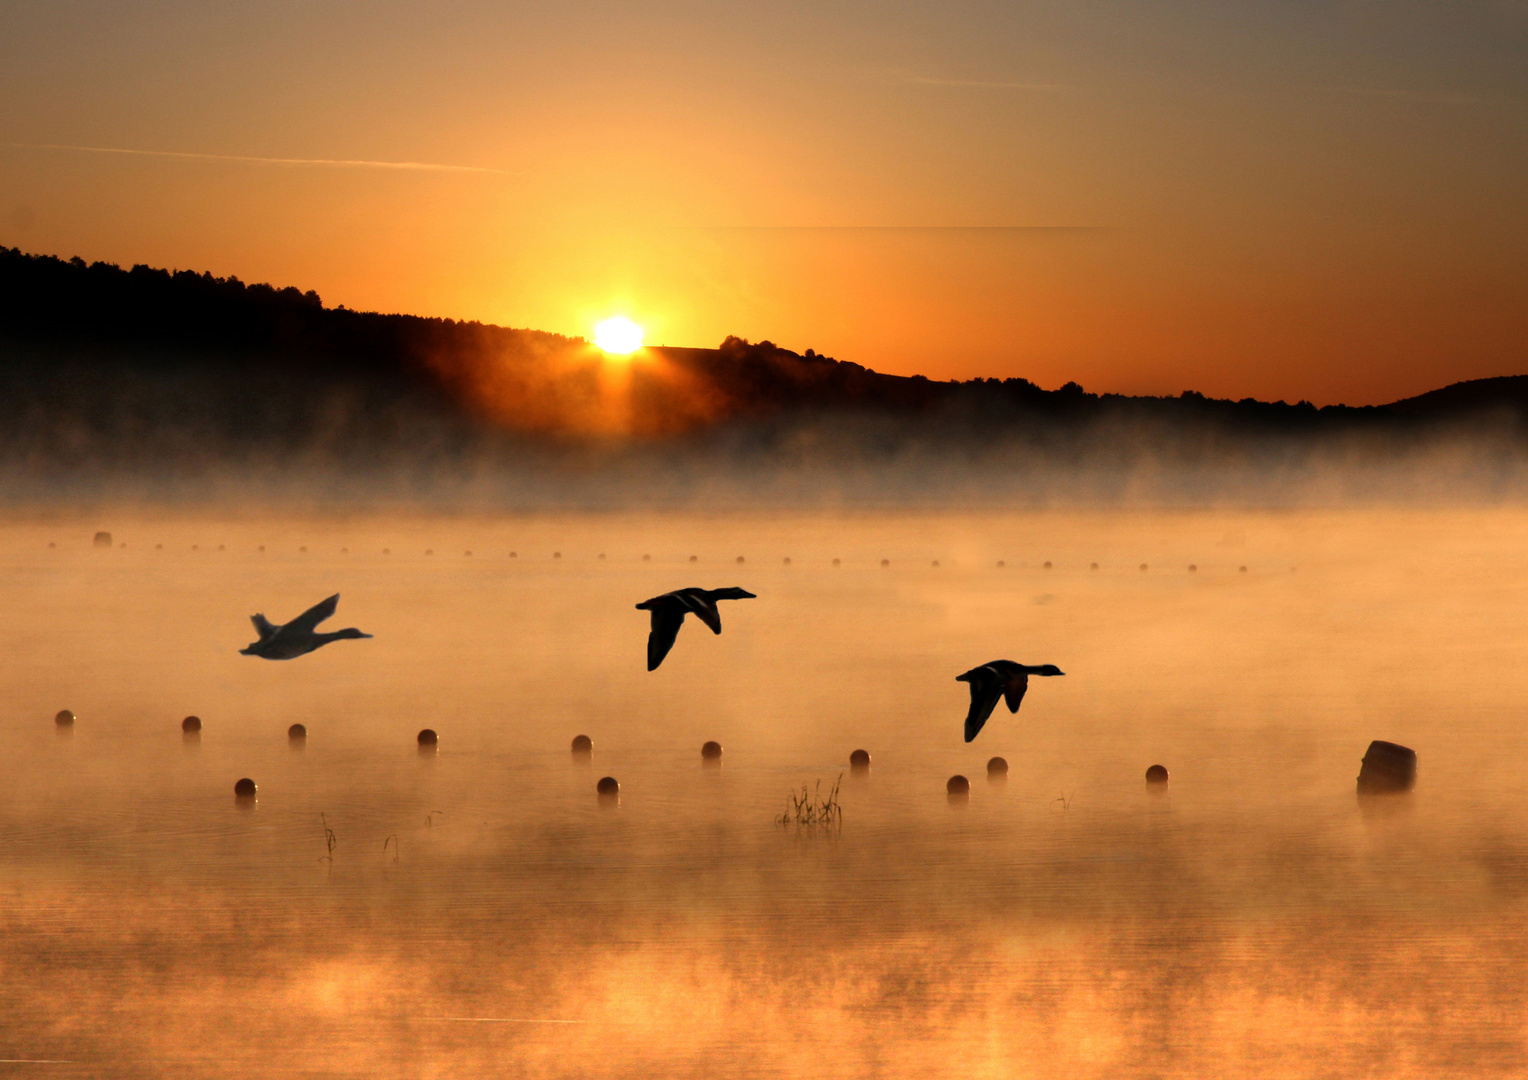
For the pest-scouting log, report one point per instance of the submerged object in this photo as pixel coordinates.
(427, 737)
(957, 785)
(608, 787)
(191, 725)
(669, 610)
(298, 637)
(297, 733)
(102, 540)
(859, 761)
(64, 718)
(997, 769)
(998, 679)
(711, 751)
(244, 789)
(583, 746)
(1387, 767)
(1157, 774)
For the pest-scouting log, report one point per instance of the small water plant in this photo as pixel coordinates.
(330, 841)
(393, 841)
(813, 809)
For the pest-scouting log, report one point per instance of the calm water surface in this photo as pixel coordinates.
(481, 913)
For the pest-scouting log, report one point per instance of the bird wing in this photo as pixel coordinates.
(316, 614)
(705, 610)
(985, 690)
(263, 626)
(1013, 692)
(660, 639)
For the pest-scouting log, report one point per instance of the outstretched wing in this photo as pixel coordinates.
(660, 639)
(985, 690)
(1013, 693)
(316, 614)
(263, 626)
(704, 609)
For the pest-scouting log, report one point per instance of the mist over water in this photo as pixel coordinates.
(482, 912)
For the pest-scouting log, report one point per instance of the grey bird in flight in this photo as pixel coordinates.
(298, 636)
(998, 679)
(670, 609)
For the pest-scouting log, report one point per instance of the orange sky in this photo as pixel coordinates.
(1284, 200)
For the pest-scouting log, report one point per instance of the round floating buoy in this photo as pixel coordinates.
(1192, 568)
(602, 556)
(244, 789)
(647, 558)
(1001, 564)
(191, 724)
(936, 564)
(467, 554)
(514, 554)
(859, 760)
(997, 767)
(262, 547)
(583, 746)
(157, 547)
(741, 560)
(958, 785)
(64, 718)
(196, 547)
(303, 549)
(427, 737)
(429, 551)
(1093, 566)
(787, 560)
(1241, 569)
(102, 540)
(695, 558)
(1387, 767)
(556, 554)
(711, 751)
(885, 562)
(1157, 774)
(1047, 564)
(608, 787)
(835, 562)
(297, 733)
(222, 547)
(344, 551)
(1143, 568)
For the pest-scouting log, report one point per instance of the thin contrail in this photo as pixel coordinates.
(334, 163)
(496, 1020)
(989, 85)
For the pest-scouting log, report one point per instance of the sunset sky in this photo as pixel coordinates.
(1321, 200)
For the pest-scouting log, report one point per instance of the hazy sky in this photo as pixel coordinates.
(1296, 199)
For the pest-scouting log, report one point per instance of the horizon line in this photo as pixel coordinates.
(341, 163)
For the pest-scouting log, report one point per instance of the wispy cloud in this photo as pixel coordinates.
(331, 163)
(983, 85)
(1438, 97)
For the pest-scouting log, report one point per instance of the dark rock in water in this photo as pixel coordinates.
(997, 767)
(64, 718)
(958, 785)
(1157, 774)
(1387, 767)
(191, 724)
(102, 539)
(859, 761)
(712, 751)
(244, 789)
(607, 788)
(297, 732)
(583, 746)
(427, 737)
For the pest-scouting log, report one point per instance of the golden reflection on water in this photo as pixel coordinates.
(482, 913)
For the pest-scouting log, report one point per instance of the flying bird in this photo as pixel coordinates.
(670, 609)
(298, 636)
(999, 679)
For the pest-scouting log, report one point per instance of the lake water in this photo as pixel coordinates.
(482, 913)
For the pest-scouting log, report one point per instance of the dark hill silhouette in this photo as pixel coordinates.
(127, 368)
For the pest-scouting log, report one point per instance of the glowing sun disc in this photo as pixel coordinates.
(618, 335)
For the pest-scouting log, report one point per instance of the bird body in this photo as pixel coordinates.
(668, 612)
(998, 679)
(298, 637)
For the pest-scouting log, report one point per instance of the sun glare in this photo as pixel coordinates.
(618, 335)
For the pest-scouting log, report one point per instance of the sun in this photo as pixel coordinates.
(618, 335)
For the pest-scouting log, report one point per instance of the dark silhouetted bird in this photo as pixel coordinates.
(670, 609)
(999, 679)
(298, 636)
